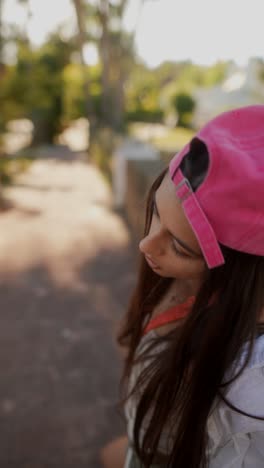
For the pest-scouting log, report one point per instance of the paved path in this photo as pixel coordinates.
(66, 271)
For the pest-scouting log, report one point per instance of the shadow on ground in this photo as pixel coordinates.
(59, 362)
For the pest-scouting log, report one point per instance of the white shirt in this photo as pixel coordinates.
(235, 440)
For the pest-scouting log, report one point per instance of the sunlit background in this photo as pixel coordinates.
(204, 31)
(95, 98)
(125, 61)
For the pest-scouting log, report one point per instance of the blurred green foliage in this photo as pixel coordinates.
(34, 87)
(184, 105)
(154, 95)
(52, 86)
(73, 96)
(173, 140)
(261, 69)
(142, 96)
(9, 168)
(46, 85)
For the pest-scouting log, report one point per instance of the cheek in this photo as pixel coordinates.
(185, 269)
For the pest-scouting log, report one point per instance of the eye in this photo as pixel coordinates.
(177, 251)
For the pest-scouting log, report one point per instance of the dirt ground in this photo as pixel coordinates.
(67, 268)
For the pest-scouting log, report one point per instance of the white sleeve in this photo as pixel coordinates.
(236, 440)
(240, 451)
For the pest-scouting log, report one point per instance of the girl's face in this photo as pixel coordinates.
(171, 248)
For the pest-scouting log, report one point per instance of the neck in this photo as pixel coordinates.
(186, 288)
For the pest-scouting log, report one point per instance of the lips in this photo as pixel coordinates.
(151, 263)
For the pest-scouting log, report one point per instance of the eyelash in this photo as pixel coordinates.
(177, 252)
(174, 248)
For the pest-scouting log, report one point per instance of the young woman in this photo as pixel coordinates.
(194, 331)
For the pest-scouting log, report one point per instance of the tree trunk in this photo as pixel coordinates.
(113, 58)
(1, 38)
(81, 15)
(26, 5)
(104, 47)
(1, 28)
(120, 102)
(1, 69)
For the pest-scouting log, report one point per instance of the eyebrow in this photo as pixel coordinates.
(180, 242)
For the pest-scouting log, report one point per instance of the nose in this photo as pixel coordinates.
(152, 245)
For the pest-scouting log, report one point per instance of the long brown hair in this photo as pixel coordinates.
(184, 379)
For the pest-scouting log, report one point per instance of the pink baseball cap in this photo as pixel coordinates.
(228, 206)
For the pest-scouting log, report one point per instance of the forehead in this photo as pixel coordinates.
(172, 213)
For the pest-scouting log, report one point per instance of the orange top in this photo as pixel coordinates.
(171, 315)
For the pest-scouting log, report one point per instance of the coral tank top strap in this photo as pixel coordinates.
(171, 315)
